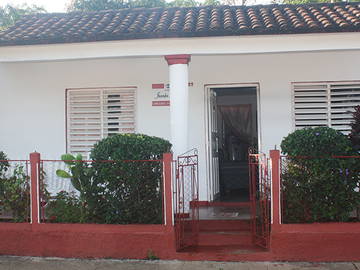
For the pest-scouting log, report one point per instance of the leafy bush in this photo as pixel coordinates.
(130, 147)
(65, 208)
(83, 178)
(4, 166)
(316, 142)
(133, 187)
(14, 190)
(4, 163)
(316, 186)
(355, 129)
(120, 186)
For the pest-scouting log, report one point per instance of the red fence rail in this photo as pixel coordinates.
(105, 191)
(149, 201)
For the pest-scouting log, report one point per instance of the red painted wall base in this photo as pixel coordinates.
(307, 242)
(86, 240)
(316, 242)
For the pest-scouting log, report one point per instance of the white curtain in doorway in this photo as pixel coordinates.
(238, 117)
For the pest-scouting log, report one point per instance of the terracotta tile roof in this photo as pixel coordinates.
(183, 22)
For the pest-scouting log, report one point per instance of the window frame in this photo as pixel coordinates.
(67, 121)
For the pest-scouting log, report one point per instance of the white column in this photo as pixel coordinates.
(179, 101)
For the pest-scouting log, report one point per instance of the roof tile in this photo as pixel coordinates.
(183, 22)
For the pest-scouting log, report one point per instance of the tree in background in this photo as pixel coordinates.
(194, 3)
(10, 14)
(235, 2)
(212, 3)
(146, 3)
(294, 2)
(96, 5)
(183, 3)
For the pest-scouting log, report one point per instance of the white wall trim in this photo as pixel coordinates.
(194, 46)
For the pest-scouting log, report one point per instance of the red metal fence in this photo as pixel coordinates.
(14, 191)
(111, 192)
(78, 191)
(186, 198)
(260, 198)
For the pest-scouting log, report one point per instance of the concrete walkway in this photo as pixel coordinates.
(31, 263)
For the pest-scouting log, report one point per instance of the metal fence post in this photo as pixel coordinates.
(34, 191)
(275, 188)
(168, 204)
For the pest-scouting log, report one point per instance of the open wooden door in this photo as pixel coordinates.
(214, 145)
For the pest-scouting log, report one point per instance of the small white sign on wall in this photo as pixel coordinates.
(161, 94)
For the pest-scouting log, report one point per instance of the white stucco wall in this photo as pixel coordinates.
(32, 104)
(32, 95)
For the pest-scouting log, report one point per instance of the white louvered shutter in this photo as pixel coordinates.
(310, 105)
(93, 114)
(325, 104)
(343, 98)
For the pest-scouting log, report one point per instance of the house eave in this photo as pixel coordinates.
(220, 45)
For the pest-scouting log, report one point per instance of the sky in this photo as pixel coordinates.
(49, 5)
(60, 5)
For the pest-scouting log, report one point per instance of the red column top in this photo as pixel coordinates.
(178, 59)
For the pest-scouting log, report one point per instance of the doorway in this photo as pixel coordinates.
(233, 133)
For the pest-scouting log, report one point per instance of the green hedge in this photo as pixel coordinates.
(14, 190)
(316, 186)
(130, 147)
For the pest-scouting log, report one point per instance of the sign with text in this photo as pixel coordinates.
(161, 95)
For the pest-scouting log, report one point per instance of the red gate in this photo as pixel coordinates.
(186, 198)
(260, 198)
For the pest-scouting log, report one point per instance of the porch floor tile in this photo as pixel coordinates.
(224, 213)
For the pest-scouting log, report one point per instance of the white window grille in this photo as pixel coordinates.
(93, 114)
(325, 104)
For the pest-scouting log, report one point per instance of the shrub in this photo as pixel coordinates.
(355, 129)
(316, 142)
(316, 186)
(133, 188)
(14, 192)
(4, 164)
(91, 191)
(130, 147)
(125, 190)
(66, 208)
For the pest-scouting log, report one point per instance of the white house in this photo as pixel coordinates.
(240, 77)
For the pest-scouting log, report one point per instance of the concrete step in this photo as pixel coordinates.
(231, 249)
(224, 225)
(225, 238)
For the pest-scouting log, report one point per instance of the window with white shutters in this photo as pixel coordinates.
(325, 104)
(93, 114)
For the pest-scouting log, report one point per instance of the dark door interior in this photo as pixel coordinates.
(237, 133)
